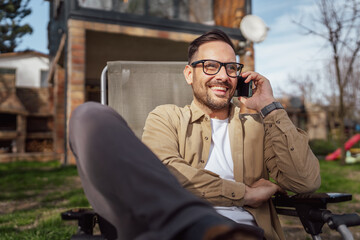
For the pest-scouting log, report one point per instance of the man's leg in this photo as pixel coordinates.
(127, 184)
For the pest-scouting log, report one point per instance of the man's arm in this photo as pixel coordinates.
(287, 153)
(161, 136)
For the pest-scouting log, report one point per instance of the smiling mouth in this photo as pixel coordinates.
(219, 90)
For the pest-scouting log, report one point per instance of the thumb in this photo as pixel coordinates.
(243, 100)
(281, 190)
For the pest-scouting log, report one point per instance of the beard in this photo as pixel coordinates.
(211, 102)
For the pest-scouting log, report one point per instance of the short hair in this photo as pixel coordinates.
(213, 35)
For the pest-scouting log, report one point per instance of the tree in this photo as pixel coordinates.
(12, 12)
(338, 23)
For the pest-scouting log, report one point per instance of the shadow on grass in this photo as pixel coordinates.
(50, 229)
(33, 194)
(21, 180)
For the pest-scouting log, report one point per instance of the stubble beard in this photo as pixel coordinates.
(210, 102)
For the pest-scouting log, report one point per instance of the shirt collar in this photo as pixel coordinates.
(197, 113)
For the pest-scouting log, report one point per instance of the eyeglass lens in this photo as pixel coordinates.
(213, 67)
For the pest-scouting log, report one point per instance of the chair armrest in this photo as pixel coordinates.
(310, 208)
(317, 199)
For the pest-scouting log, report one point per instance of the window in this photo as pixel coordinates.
(43, 78)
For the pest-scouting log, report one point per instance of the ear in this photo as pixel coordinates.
(188, 74)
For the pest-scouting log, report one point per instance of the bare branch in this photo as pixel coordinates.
(351, 63)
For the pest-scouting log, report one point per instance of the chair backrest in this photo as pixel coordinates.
(136, 88)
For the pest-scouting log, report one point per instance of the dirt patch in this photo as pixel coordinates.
(11, 206)
(354, 175)
(292, 226)
(16, 205)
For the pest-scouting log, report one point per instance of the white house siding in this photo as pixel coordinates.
(28, 68)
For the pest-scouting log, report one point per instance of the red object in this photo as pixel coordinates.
(352, 141)
(349, 143)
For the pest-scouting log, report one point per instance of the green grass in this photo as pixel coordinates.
(336, 178)
(341, 179)
(32, 196)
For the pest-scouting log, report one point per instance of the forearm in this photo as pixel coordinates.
(288, 155)
(202, 183)
(207, 185)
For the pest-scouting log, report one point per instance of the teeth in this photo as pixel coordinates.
(219, 88)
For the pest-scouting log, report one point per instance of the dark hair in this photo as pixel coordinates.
(213, 35)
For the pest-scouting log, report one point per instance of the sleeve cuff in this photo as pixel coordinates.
(233, 190)
(279, 120)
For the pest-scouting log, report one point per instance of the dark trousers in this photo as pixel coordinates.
(125, 182)
(133, 192)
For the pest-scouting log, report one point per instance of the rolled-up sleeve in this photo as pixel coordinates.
(288, 156)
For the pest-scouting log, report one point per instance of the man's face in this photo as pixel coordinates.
(213, 91)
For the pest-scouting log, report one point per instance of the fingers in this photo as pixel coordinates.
(250, 75)
(260, 182)
(280, 190)
(262, 91)
(243, 100)
(260, 192)
(266, 183)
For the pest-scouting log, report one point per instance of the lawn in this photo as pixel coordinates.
(33, 194)
(334, 178)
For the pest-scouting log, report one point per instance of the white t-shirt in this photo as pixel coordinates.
(220, 162)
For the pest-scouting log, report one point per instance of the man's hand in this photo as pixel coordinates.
(260, 192)
(262, 94)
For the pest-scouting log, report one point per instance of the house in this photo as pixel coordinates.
(26, 109)
(31, 68)
(85, 34)
(307, 116)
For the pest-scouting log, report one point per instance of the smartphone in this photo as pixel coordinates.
(243, 89)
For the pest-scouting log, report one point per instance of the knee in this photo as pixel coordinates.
(85, 115)
(86, 110)
(91, 115)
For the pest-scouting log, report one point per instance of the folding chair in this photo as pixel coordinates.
(136, 88)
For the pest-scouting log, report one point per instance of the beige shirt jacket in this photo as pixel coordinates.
(181, 138)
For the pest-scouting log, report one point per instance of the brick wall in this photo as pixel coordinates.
(59, 118)
(76, 70)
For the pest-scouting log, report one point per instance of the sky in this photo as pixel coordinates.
(286, 52)
(38, 20)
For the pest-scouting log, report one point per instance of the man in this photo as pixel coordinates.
(133, 192)
(226, 157)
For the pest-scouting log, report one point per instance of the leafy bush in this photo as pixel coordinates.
(322, 147)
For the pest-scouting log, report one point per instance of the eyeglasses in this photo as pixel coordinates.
(212, 67)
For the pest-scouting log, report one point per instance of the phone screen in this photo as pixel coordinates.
(243, 89)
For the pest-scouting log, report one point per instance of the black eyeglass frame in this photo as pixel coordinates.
(193, 64)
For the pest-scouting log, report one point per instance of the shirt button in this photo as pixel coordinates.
(233, 194)
(292, 148)
(206, 138)
(206, 118)
(278, 121)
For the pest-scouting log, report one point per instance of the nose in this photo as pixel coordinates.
(222, 75)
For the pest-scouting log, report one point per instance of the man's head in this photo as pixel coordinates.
(214, 35)
(213, 82)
